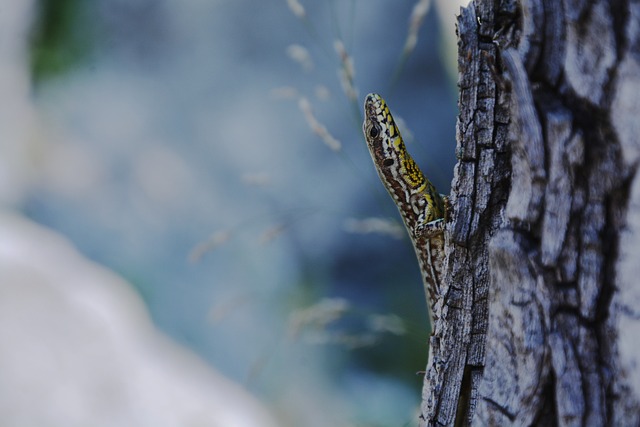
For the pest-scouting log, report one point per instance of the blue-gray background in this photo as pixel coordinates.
(167, 129)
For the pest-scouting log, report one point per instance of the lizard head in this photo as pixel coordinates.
(380, 131)
(394, 165)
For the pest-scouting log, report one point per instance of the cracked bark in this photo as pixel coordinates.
(540, 320)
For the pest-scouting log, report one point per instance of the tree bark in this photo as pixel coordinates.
(539, 323)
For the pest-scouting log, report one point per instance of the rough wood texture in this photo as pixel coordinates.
(540, 321)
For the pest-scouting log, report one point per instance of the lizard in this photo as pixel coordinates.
(422, 208)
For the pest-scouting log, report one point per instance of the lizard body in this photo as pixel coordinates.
(422, 208)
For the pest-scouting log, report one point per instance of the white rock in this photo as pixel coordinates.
(77, 348)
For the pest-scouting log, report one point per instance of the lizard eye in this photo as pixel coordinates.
(387, 162)
(374, 131)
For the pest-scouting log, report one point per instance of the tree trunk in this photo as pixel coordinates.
(540, 319)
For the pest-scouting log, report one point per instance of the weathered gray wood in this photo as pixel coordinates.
(540, 320)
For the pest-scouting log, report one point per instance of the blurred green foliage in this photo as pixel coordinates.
(61, 38)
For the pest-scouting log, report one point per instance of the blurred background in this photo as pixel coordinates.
(189, 181)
